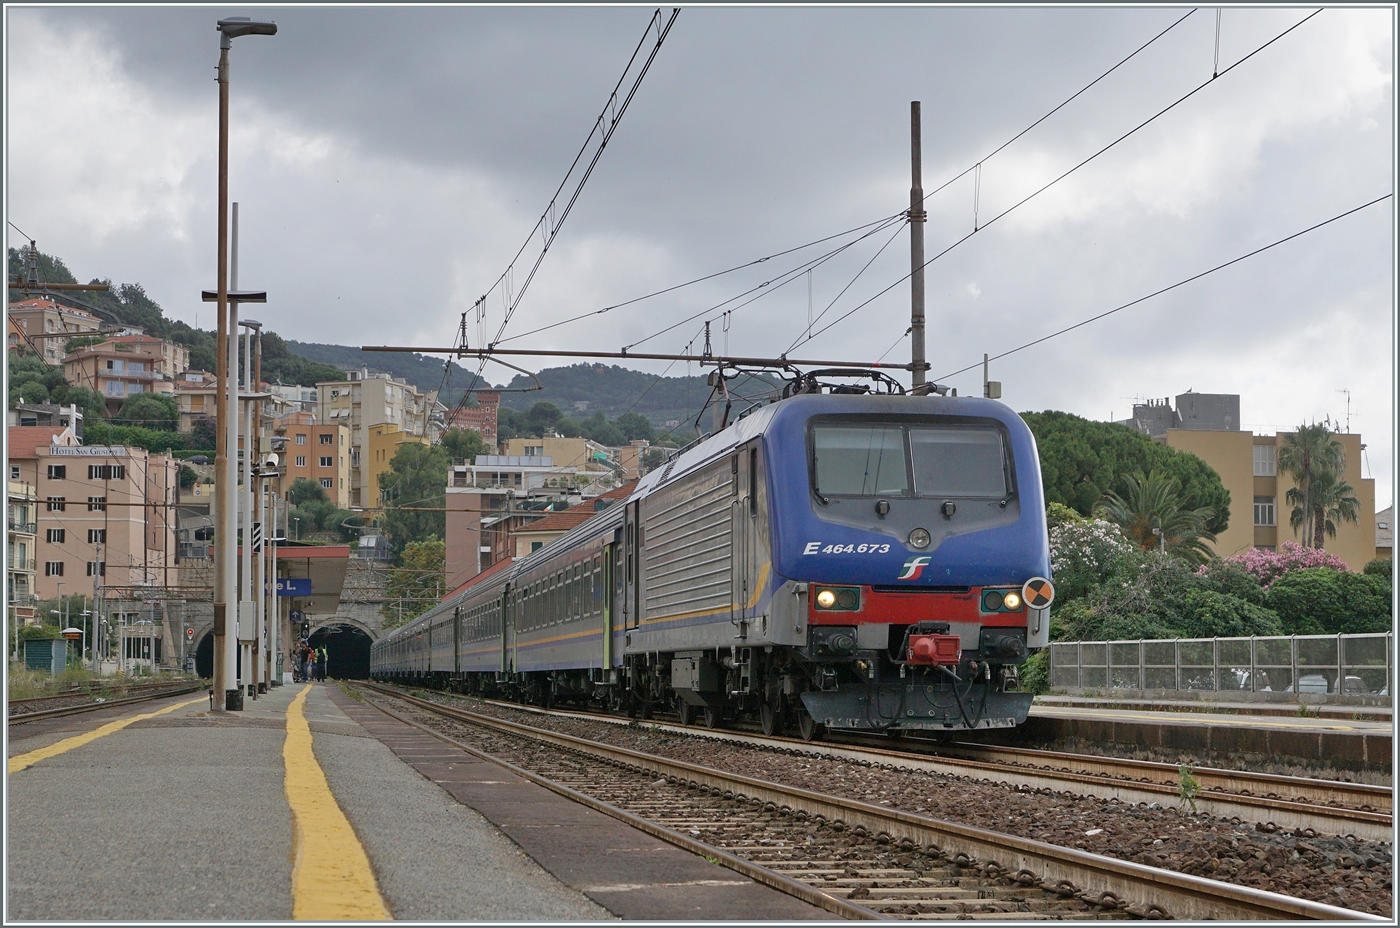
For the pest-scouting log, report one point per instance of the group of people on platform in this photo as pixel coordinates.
(310, 663)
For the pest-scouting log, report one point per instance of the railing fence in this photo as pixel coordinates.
(1342, 665)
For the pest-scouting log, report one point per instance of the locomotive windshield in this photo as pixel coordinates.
(923, 460)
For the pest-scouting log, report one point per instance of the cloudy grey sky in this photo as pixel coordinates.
(389, 162)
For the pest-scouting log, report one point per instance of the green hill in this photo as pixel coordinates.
(128, 304)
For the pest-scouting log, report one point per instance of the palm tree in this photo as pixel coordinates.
(1152, 514)
(1334, 501)
(1311, 456)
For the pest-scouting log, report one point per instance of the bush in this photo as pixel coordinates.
(1035, 673)
(1380, 567)
(188, 477)
(1232, 578)
(1084, 553)
(1209, 614)
(1268, 566)
(1324, 601)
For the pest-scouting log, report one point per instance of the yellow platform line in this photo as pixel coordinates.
(21, 761)
(332, 879)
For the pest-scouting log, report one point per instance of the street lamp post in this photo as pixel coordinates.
(226, 490)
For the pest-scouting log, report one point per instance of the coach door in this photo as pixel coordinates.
(457, 640)
(632, 565)
(507, 631)
(605, 589)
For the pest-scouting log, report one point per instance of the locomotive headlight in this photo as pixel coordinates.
(992, 600)
(826, 599)
(1012, 601)
(919, 538)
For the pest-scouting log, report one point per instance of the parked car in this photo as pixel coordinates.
(1311, 683)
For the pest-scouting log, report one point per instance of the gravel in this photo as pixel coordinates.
(1341, 871)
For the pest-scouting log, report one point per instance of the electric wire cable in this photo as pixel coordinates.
(882, 220)
(1067, 173)
(1170, 287)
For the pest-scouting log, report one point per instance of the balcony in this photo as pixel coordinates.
(23, 528)
(26, 564)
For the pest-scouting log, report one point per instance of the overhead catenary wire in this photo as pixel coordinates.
(885, 219)
(781, 280)
(1170, 287)
(553, 219)
(1026, 199)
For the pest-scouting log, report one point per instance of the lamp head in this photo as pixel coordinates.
(235, 26)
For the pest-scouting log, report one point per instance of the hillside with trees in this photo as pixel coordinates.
(128, 304)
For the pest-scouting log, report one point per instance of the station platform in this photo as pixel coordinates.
(309, 805)
(1358, 740)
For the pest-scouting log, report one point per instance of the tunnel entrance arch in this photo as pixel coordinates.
(204, 656)
(347, 650)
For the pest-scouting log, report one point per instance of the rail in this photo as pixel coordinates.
(169, 690)
(1178, 894)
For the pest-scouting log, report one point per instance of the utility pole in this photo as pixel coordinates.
(917, 218)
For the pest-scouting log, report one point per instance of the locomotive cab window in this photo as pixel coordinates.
(921, 460)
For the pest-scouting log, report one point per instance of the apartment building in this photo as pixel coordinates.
(481, 418)
(364, 400)
(196, 396)
(48, 326)
(314, 451)
(384, 443)
(1208, 426)
(126, 365)
(20, 548)
(105, 515)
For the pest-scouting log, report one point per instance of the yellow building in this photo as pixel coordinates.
(384, 442)
(1207, 425)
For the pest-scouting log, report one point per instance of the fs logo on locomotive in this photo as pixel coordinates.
(914, 567)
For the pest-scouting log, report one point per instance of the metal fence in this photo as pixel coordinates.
(1339, 665)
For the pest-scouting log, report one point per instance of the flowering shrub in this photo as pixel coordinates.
(1268, 566)
(1085, 553)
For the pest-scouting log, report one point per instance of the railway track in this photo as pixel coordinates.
(853, 858)
(1272, 801)
(30, 710)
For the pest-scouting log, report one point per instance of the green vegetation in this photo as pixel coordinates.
(1315, 460)
(417, 584)
(313, 511)
(1081, 461)
(1152, 515)
(130, 305)
(151, 411)
(1114, 581)
(415, 481)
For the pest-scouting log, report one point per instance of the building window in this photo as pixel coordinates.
(1265, 461)
(301, 460)
(97, 536)
(58, 471)
(327, 439)
(58, 504)
(534, 450)
(1382, 525)
(53, 568)
(328, 482)
(106, 472)
(97, 504)
(14, 471)
(301, 439)
(1263, 509)
(327, 461)
(56, 536)
(97, 568)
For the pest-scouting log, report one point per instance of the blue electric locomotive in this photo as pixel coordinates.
(848, 561)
